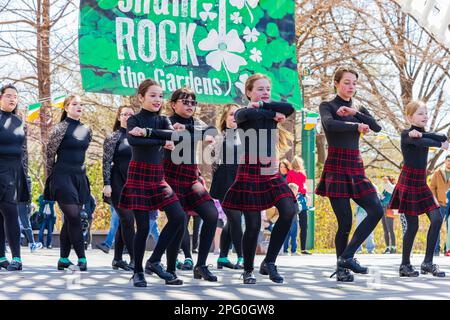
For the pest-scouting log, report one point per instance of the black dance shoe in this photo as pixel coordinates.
(407, 270)
(4, 264)
(82, 266)
(14, 266)
(343, 275)
(64, 265)
(226, 264)
(352, 264)
(175, 280)
(248, 277)
(121, 264)
(429, 267)
(139, 280)
(269, 268)
(156, 267)
(203, 272)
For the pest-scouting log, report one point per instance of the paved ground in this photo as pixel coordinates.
(306, 277)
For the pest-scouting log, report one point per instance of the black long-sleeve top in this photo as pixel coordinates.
(260, 121)
(342, 132)
(116, 155)
(229, 150)
(415, 150)
(149, 149)
(12, 136)
(195, 131)
(72, 149)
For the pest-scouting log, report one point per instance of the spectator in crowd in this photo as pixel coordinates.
(440, 183)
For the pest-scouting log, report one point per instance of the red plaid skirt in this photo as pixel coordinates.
(411, 195)
(343, 175)
(145, 188)
(184, 179)
(257, 187)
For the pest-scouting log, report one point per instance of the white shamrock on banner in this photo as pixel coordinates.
(241, 83)
(249, 4)
(207, 14)
(223, 52)
(241, 3)
(256, 55)
(236, 17)
(251, 35)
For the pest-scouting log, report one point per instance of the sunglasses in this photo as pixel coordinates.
(192, 103)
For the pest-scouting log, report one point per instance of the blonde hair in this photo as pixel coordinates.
(222, 121)
(294, 187)
(286, 163)
(298, 164)
(412, 107)
(284, 136)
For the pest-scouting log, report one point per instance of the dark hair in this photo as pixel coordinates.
(145, 85)
(339, 73)
(119, 111)
(179, 94)
(2, 92)
(183, 93)
(67, 101)
(447, 157)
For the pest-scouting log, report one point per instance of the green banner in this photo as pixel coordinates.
(211, 46)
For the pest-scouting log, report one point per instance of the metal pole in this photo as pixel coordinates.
(308, 154)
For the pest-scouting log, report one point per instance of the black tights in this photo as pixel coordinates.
(186, 243)
(432, 236)
(170, 237)
(125, 234)
(343, 211)
(287, 210)
(209, 214)
(232, 232)
(9, 221)
(71, 232)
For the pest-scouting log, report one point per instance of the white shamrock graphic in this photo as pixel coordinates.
(207, 14)
(256, 55)
(223, 52)
(241, 3)
(249, 4)
(251, 35)
(241, 84)
(236, 17)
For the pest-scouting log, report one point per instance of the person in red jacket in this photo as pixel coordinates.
(297, 175)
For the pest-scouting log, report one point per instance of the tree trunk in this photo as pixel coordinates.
(43, 71)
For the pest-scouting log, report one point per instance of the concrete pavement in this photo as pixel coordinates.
(306, 277)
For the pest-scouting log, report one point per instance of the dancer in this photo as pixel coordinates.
(258, 184)
(13, 184)
(343, 177)
(182, 173)
(145, 188)
(67, 183)
(224, 173)
(116, 159)
(411, 195)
